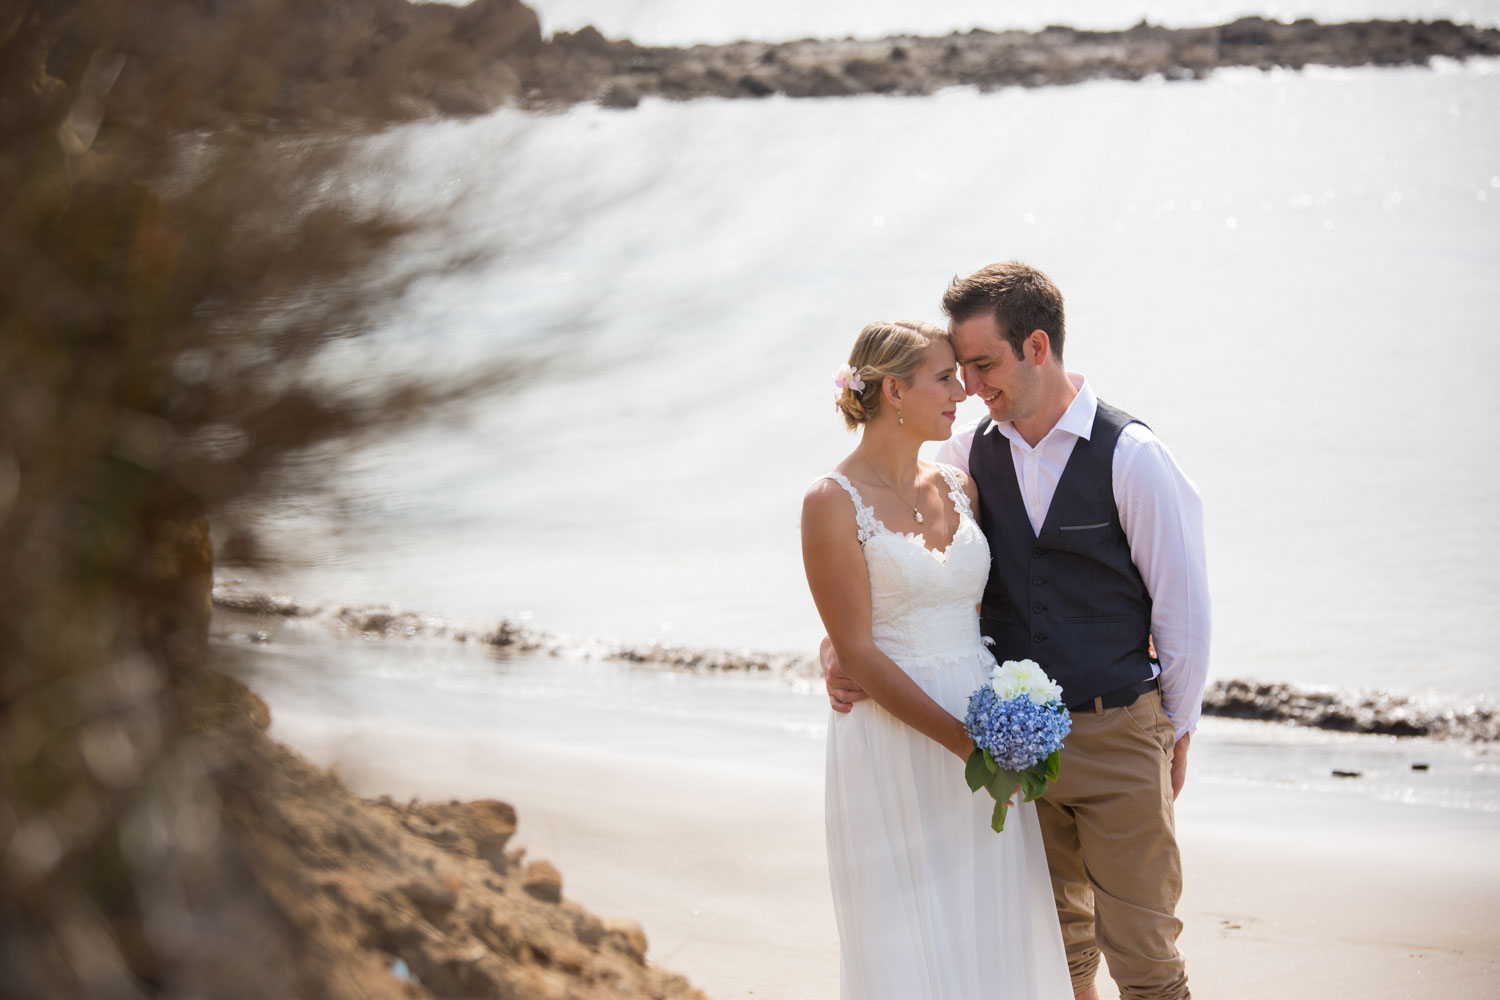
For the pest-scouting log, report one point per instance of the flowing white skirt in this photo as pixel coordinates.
(931, 903)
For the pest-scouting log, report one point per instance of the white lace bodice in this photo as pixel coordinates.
(922, 603)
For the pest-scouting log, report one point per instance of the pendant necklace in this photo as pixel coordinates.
(916, 514)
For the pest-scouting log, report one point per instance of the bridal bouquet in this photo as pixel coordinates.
(1017, 722)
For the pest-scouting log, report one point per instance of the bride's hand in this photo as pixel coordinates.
(842, 691)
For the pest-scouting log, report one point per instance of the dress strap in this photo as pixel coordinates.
(864, 517)
(956, 490)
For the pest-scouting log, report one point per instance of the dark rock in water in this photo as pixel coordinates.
(816, 81)
(1338, 773)
(380, 622)
(231, 598)
(584, 65)
(755, 87)
(586, 39)
(1379, 712)
(1421, 766)
(620, 95)
(1248, 31)
(512, 638)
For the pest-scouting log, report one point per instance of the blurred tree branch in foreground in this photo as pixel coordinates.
(158, 321)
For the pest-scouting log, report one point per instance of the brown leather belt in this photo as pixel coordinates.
(1118, 698)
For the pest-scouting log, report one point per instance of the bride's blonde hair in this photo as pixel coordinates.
(881, 349)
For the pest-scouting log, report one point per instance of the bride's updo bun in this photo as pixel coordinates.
(881, 349)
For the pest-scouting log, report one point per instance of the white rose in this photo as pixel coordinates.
(1014, 678)
(1003, 684)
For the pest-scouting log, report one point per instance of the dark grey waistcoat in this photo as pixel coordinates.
(1071, 599)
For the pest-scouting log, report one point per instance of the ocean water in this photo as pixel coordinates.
(1290, 276)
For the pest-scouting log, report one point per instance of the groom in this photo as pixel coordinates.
(1096, 541)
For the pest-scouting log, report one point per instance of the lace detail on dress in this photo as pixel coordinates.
(956, 490)
(864, 517)
(922, 600)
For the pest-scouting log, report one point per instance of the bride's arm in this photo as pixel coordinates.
(840, 584)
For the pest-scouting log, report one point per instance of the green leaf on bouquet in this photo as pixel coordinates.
(1032, 784)
(975, 772)
(1003, 783)
(989, 763)
(1054, 765)
(997, 818)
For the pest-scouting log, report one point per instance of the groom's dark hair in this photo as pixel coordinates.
(1021, 299)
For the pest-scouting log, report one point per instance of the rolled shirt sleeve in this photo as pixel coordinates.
(1162, 515)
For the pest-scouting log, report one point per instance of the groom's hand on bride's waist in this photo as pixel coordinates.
(842, 691)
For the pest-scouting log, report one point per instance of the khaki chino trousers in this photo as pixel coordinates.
(1112, 850)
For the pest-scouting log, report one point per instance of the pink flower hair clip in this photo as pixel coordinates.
(845, 377)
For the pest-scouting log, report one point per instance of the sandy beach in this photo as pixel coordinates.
(710, 834)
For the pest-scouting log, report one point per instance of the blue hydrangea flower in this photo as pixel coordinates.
(1017, 732)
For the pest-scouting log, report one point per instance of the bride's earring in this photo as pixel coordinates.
(899, 419)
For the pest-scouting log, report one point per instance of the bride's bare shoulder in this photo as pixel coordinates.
(833, 502)
(825, 494)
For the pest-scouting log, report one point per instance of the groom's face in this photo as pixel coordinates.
(1008, 385)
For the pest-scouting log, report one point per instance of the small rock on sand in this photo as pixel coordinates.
(543, 882)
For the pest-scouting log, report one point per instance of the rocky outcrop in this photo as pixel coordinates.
(586, 66)
(1382, 712)
(1386, 713)
(421, 899)
(299, 63)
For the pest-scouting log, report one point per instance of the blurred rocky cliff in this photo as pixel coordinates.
(246, 63)
(164, 296)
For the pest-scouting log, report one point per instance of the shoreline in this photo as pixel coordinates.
(1460, 717)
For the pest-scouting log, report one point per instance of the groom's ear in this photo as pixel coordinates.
(1038, 347)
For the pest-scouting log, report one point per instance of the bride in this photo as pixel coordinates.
(931, 903)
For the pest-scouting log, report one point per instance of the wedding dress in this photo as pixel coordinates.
(931, 903)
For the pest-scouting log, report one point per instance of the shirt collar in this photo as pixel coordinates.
(1077, 419)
